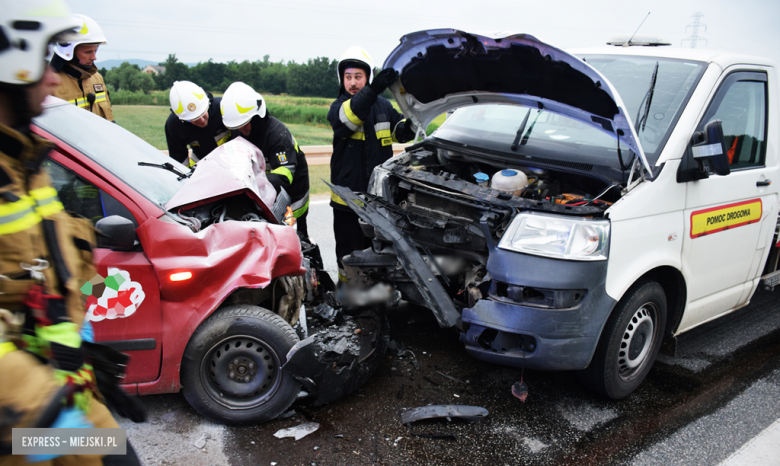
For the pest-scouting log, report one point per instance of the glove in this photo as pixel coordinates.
(383, 80)
(409, 131)
(87, 332)
(278, 181)
(68, 418)
(109, 367)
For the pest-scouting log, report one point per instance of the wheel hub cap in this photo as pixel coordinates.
(636, 343)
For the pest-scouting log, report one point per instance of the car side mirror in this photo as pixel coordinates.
(118, 233)
(710, 145)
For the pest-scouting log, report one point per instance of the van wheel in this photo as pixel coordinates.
(629, 343)
(232, 366)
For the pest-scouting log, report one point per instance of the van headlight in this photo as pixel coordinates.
(579, 239)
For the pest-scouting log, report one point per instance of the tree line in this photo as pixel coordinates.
(315, 78)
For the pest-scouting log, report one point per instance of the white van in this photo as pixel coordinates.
(579, 209)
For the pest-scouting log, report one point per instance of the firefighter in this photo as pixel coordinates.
(74, 62)
(245, 110)
(194, 121)
(365, 126)
(45, 254)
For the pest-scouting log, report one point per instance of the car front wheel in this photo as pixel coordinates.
(629, 343)
(232, 366)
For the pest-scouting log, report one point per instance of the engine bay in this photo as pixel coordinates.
(454, 206)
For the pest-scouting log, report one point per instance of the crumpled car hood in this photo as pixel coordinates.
(442, 69)
(230, 169)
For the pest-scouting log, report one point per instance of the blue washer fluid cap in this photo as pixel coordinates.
(481, 177)
(508, 172)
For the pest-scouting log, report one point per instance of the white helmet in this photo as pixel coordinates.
(87, 32)
(355, 53)
(188, 100)
(239, 104)
(26, 30)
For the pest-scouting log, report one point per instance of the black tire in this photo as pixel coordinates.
(629, 343)
(251, 344)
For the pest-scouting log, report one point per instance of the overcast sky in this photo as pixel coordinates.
(296, 30)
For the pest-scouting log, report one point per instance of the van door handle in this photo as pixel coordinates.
(763, 183)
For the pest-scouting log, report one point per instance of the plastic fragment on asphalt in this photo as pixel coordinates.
(450, 377)
(200, 443)
(300, 431)
(468, 413)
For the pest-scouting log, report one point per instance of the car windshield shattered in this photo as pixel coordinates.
(654, 90)
(115, 149)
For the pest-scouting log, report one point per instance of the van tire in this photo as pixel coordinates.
(232, 366)
(629, 343)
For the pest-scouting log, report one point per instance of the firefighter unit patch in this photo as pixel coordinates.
(99, 87)
(282, 157)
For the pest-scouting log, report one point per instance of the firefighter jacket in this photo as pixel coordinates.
(77, 84)
(365, 126)
(34, 227)
(180, 134)
(285, 162)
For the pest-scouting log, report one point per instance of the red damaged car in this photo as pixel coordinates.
(198, 281)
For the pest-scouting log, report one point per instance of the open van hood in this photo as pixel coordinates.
(442, 69)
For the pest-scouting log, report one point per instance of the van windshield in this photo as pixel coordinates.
(632, 77)
(550, 136)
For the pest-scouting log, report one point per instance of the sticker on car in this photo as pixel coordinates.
(726, 217)
(112, 297)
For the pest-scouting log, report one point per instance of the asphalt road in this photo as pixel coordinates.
(720, 390)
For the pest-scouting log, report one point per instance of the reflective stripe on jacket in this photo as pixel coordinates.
(285, 162)
(28, 205)
(365, 126)
(76, 85)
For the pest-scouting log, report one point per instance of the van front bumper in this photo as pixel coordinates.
(557, 333)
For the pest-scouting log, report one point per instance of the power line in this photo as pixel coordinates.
(695, 25)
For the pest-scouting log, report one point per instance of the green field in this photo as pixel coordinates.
(148, 123)
(304, 116)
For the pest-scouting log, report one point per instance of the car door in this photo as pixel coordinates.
(729, 218)
(123, 300)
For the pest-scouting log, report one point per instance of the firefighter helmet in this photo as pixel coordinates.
(239, 104)
(188, 100)
(87, 32)
(357, 57)
(26, 30)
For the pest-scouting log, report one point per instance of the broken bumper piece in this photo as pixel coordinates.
(415, 266)
(468, 413)
(339, 359)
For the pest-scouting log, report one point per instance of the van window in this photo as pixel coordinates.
(741, 105)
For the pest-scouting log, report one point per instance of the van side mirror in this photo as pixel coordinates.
(118, 233)
(710, 146)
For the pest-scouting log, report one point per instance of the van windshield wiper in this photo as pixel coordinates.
(520, 130)
(167, 166)
(646, 100)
